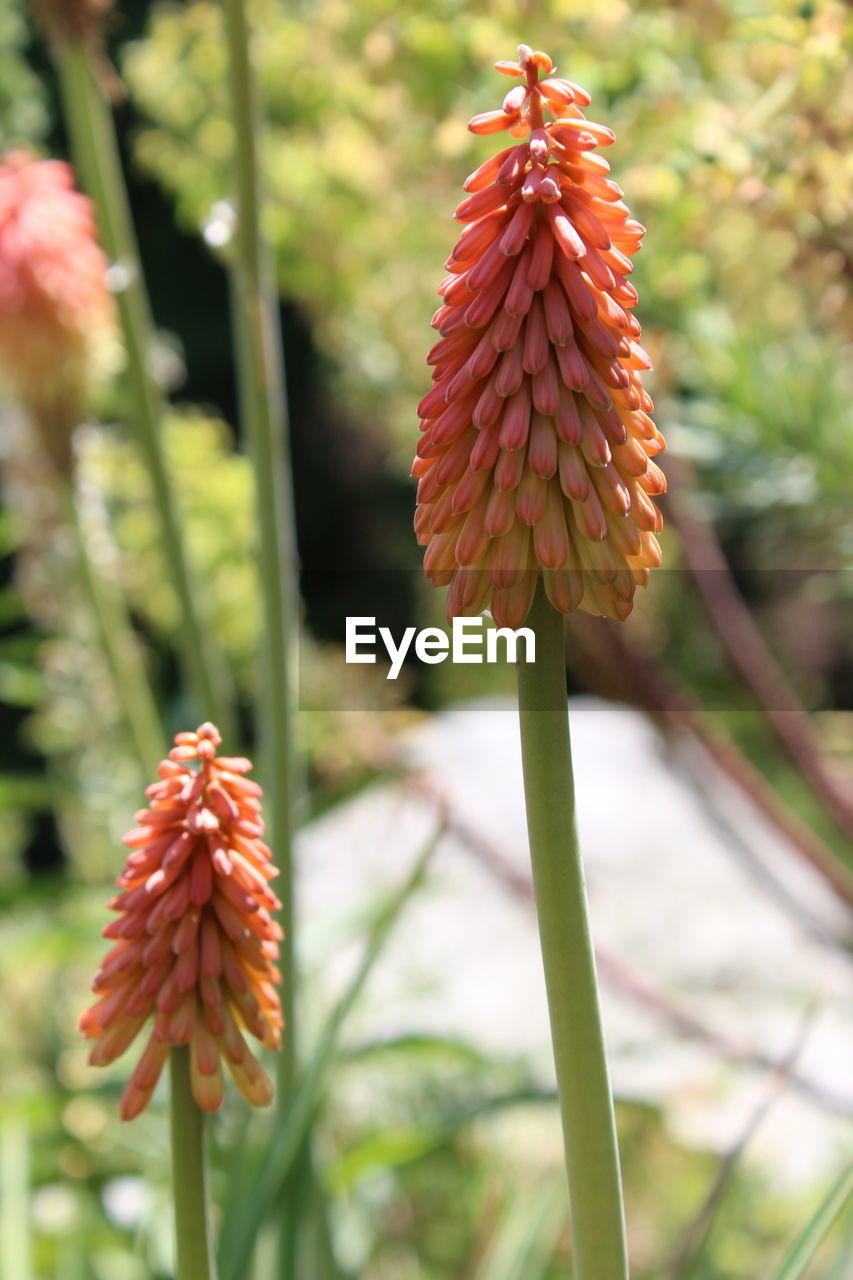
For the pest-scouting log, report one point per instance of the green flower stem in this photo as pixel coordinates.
(264, 415)
(192, 1224)
(96, 156)
(118, 643)
(586, 1104)
(263, 403)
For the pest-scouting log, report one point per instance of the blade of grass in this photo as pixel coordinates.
(840, 1265)
(15, 1256)
(96, 156)
(693, 1249)
(317, 1260)
(524, 1243)
(809, 1240)
(253, 1197)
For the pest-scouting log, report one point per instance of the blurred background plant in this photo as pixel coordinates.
(733, 146)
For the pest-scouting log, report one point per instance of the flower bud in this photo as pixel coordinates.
(57, 317)
(195, 941)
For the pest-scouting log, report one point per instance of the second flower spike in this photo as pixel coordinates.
(537, 445)
(196, 944)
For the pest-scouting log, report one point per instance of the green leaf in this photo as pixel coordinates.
(11, 605)
(20, 686)
(448, 1048)
(817, 1228)
(406, 1144)
(526, 1238)
(15, 1257)
(24, 791)
(388, 1149)
(250, 1199)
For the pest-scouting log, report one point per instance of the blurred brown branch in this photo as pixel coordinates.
(749, 655)
(693, 1239)
(609, 652)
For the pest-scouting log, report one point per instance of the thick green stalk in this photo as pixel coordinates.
(192, 1224)
(586, 1104)
(264, 414)
(96, 156)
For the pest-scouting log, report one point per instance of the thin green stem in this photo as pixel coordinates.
(192, 1223)
(264, 414)
(96, 155)
(118, 643)
(586, 1104)
(15, 1244)
(263, 405)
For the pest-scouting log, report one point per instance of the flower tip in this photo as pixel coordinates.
(490, 122)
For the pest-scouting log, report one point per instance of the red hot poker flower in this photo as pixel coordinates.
(57, 316)
(195, 940)
(537, 445)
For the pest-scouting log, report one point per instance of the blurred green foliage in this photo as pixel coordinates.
(24, 114)
(731, 123)
(215, 489)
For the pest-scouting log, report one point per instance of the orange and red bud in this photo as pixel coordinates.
(195, 941)
(537, 445)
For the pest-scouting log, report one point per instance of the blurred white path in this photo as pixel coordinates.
(699, 907)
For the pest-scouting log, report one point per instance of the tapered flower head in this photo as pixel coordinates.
(537, 445)
(195, 943)
(56, 313)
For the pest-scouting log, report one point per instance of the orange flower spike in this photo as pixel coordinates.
(537, 442)
(195, 941)
(56, 314)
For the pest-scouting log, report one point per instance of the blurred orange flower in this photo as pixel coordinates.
(196, 943)
(56, 314)
(537, 444)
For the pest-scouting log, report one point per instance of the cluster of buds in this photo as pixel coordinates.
(57, 317)
(195, 942)
(537, 445)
